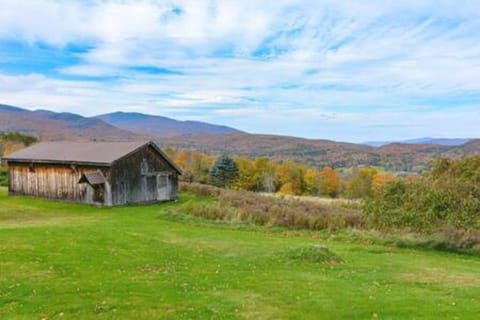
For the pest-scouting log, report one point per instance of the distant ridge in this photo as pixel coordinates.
(7, 108)
(437, 141)
(162, 126)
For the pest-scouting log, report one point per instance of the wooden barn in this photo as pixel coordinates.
(104, 173)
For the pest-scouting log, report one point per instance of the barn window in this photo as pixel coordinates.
(31, 168)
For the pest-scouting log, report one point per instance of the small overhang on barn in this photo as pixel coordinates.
(92, 178)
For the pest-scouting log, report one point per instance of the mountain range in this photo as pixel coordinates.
(211, 138)
(48, 125)
(162, 126)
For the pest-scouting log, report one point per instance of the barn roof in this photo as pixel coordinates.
(97, 153)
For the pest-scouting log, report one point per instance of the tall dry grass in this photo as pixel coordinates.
(264, 210)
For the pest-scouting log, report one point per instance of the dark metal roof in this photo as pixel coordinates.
(92, 178)
(94, 153)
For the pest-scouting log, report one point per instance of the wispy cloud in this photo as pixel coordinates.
(350, 70)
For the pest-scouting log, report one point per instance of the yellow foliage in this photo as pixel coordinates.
(287, 189)
(381, 179)
(312, 181)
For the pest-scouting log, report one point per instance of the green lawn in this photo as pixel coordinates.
(70, 261)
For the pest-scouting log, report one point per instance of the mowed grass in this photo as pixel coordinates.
(69, 261)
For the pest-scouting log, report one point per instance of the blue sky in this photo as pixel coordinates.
(343, 70)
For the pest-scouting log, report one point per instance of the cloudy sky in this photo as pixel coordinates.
(352, 70)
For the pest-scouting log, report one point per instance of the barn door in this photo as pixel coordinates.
(162, 187)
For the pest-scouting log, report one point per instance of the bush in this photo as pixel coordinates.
(443, 203)
(446, 197)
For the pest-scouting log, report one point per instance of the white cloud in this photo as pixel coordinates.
(301, 63)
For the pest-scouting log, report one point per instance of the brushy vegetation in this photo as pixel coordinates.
(258, 209)
(446, 200)
(249, 207)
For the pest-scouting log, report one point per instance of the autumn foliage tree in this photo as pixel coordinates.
(290, 178)
(359, 185)
(312, 180)
(330, 182)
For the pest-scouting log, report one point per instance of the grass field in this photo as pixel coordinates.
(67, 261)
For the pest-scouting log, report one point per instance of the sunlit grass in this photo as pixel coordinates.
(63, 260)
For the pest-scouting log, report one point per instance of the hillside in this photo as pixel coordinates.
(48, 125)
(162, 126)
(397, 156)
(279, 147)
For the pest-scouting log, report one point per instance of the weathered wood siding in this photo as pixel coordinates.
(134, 178)
(52, 181)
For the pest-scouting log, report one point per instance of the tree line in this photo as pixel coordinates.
(286, 177)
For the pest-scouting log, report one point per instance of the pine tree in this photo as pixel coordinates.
(224, 171)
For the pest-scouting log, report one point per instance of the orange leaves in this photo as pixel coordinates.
(381, 179)
(330, 182)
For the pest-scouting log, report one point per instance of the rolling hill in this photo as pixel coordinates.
(396, 156)
(162, 126)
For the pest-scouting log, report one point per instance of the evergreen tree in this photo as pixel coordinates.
(224, 171)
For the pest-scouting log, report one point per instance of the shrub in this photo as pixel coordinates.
(447, 196)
